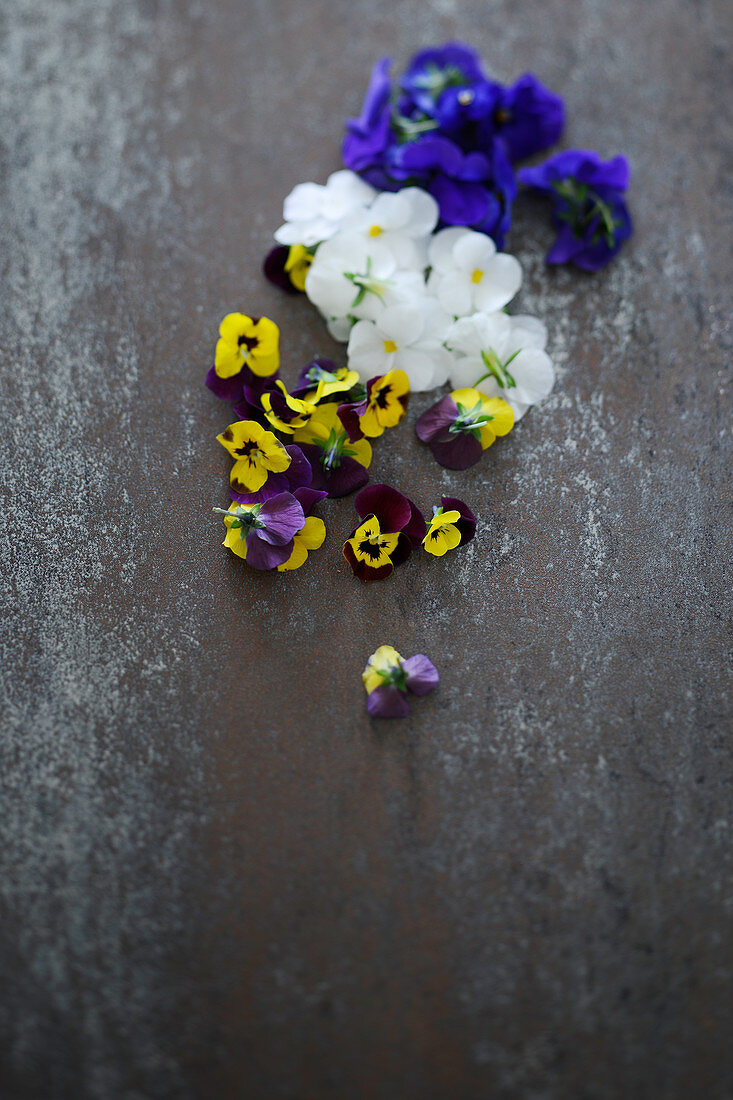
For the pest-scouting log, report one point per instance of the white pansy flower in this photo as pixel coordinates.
(313, 212)
(468, 274)
(403, 220)
(403, 337)
(351, 277)
(502, 357)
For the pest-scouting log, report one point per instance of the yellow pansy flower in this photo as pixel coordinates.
(492, 416)
(442, 533)
(384, 659)
(257, 453)
(247, 342)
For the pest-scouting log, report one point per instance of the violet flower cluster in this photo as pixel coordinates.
(447, 127)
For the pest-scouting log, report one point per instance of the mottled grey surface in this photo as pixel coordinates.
(219, 879)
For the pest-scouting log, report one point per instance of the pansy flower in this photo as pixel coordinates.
(248, 406)
(460, 426)
(263, 534)
(297, 476)
(528, 117)
(468, 274)
(257, 453)
(313, 212)
(384, 406)
(391, 528)
(388, 678)
(453, 524)
(311, 534)
(324, 377)
(247, 342)
(287, 266)
(339, 466)
(589, 207)
(287, 413)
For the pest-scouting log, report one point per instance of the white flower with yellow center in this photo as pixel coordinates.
(402, 220)
(503, 357)
(468, 274)
(403, 337)
(313, 212)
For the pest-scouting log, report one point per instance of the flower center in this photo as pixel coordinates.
(465, 97)
(375, 231)
(497, 369)
(249, 449)
(389, 347)
(477, 275)
(249, 342)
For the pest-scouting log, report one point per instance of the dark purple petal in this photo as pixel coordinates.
(422, 675)
(416, 528)
(391, 508)
(340, 480)
(263, 555)
(228, 389)
(388, 701)
(306, 383)
(458, 453)
(309, 497)
(460, 203)
(437, 420)
(273, 267)
(349, 416)
(283, 517)
(402, 550)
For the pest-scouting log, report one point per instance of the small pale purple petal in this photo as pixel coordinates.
(388, 701)
(283, 517)
(422, 675)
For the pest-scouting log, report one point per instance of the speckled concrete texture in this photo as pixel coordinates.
(219, 878)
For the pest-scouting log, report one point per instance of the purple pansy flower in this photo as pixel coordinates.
(433, 71)
(263, 533)
(388, 678)
(297, 476)
(460, 426)
(528, 116)
(390, 530)
(589, 206)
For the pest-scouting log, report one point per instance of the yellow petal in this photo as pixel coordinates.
(502, 413)
(228, 359)
(246, 477)
(268, 336)
(298, 557)
(235, 543)
(312, 534)
(362, 452)
(263, 365)
(235, 325)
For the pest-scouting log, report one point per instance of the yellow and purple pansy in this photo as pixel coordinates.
(323, 377)
(247, 349)
(257, 454)
(388, 678)
(263, 534)
(453, 524)
(391, 528)
(287, 413)
(460, 427)
(381, 405)
(286, 267)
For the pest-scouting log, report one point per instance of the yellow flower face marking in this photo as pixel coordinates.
(375, 231)
(477, 275)
(257, 453)
(310, 537)
(246, 342)
(442, 535)
(389, 347)
(297, 264)
(387, 403)
(371, 546)
(385, 658)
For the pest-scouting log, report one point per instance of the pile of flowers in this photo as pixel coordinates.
(401, 251)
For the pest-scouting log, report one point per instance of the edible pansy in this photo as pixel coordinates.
(460, 426)
(388, 678)
(257, 453)
(311, 534)
(286, 267)
(339, 466)
(502, 356)
(391, 528)
(528, 117)
(247, 342)
(407, 338)
(263, 533)
(468, 274)
(243, 389)
(383, 406)
(453, 524)
(401, 221)
(313, 212)
(589, 206)
(287, 413)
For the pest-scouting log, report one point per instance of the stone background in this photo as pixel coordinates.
(219, 878)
